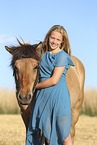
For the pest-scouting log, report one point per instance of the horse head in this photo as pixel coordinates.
(25, 64)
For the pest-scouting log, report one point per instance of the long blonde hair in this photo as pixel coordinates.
(65, 45)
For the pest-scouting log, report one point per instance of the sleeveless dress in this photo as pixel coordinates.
(51, 111)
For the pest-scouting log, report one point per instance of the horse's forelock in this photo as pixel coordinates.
(24, 51)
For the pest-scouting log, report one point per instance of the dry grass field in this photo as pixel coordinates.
(8, 102)
(12, 130)
(89, 105)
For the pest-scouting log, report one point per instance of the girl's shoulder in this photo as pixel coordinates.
(62, 58)
(62, 53)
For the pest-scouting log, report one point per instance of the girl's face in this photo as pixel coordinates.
(55, 40)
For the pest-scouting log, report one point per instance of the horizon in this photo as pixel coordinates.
(31, 20)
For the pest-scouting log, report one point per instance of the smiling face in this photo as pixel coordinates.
(55, 40)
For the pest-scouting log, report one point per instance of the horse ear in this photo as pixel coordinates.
(20, 42)
(39, 47)
(9, 49)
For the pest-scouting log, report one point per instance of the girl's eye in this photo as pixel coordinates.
(52, 38)
(58, 39)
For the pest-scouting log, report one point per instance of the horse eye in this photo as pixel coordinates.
(35, 67)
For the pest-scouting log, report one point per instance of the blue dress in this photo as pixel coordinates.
(51, 111)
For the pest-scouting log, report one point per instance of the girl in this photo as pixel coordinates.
(51, 112)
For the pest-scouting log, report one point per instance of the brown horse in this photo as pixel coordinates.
(25, 64)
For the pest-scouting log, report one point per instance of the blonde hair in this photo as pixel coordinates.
(65, 45)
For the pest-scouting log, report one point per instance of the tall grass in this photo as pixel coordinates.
(89, 106)
(9, 105)
(8, 102)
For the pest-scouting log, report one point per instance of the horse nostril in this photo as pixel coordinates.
(28, 97)
(19, 96)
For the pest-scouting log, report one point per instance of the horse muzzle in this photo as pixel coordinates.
(25, 100)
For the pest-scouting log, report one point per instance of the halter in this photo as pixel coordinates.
(37, 76)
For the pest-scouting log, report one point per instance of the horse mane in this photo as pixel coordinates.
(24, 50)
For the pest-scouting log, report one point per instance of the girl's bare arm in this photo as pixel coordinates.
(53, 80)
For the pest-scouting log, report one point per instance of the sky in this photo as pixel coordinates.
(32, 19)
